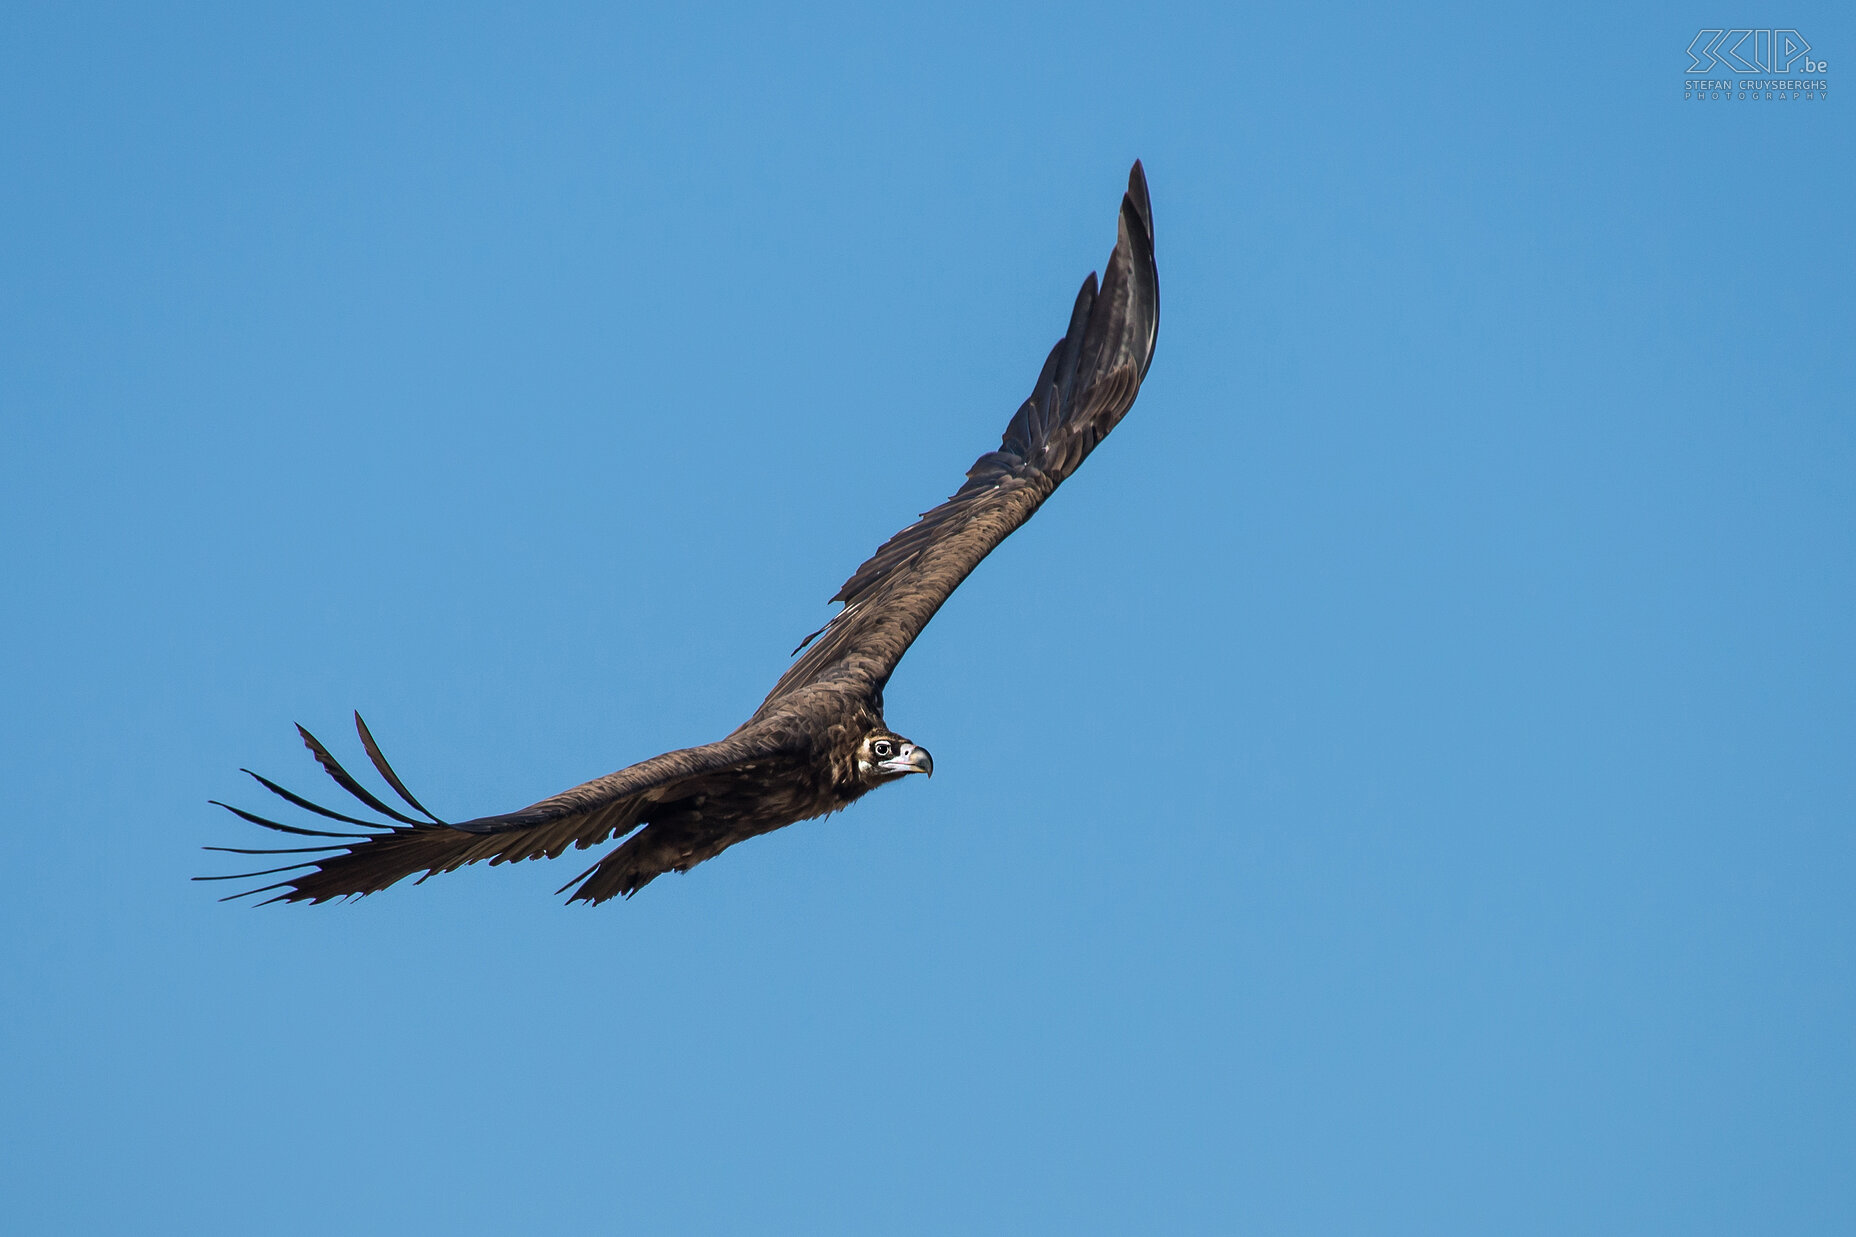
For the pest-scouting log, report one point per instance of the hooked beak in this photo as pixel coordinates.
(911, 759)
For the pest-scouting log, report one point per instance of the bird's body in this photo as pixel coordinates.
(819, 741)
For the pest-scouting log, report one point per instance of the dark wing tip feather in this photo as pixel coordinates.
(255, 819)
(1137, 227)
(269, 850)
(1136, 198)
(345, 779)
(386, 770)
(239, 876)
(299, 801)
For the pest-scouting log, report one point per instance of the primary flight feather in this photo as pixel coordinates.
(818, 742)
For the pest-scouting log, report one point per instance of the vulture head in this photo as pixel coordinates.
(884, 756)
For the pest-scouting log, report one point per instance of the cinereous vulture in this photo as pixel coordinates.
(818, 742)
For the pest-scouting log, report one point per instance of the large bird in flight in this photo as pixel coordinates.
(818, 742)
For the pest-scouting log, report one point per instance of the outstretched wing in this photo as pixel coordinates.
(402, 845)
(1087, 385)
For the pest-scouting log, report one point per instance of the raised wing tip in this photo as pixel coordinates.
(1137, 196)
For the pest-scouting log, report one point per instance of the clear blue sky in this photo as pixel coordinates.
(1402, 784)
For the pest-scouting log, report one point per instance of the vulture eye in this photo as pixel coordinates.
(883, 749)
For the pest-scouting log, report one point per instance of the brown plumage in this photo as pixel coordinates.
(818, 742)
